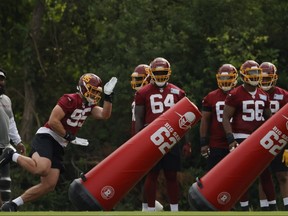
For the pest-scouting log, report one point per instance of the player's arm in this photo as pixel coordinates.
(105, 112)
(267, 113)
(102, 113)
(204, 134)
(15, 137)
(139, 117)
(55, 121)
(227, 115)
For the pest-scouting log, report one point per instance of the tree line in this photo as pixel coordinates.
(46, 45)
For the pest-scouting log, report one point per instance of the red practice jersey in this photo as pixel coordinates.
(214, 103)
(278, 98)
(249, 109)
(157, 100)
(75, 110)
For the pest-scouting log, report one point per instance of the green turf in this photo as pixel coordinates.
(139, 213)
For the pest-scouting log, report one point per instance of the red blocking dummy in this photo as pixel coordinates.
(221, 188)
(104, 185)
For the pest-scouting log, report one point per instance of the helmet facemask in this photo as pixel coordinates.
(268, 81)
(138, 80)
(226, 81)
(90, 88)
(160, 71)
(161, 77)
(269, 76)
(93, 94)
(251, 75)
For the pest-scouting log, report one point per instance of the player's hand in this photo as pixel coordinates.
(205, 151)
(232, 146)
(21, 148)
(285, 157)
(69, 136)
(80, 141)
(187, 150)
(109, 86)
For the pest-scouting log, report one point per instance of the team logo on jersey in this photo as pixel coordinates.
(174, 91)
(223, 198)
(107, 192)
(263, 97)
(186, 120)
(278, 97)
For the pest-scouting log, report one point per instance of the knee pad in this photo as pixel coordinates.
(5, 188)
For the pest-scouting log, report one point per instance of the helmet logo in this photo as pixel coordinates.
(87, 78)
(186, 120)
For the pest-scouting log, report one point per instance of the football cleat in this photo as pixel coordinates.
(9, 207)
(6, 156)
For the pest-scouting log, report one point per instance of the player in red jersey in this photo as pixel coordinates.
(278, 98)
(213, 141)
(47, 149)
(151, 101)
(248, 106)
(140, 78)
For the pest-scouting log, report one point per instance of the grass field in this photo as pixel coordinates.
(139, 213)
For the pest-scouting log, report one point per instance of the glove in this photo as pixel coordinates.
(285, 157)
(186, 150)
(80, 141)
(205, 151)
(109, 86)
(69, 136)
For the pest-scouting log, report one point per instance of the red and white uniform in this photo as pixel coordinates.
(278, 98)
(249, 111)
(157, 100)
(76, 113)
(214, 102)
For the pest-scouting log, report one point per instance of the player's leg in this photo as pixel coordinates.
(150, 187)
(281, 172)
(46, 185)
(171, 164)
(36, 165)
(172, 189)
(282, 178)
(244, 201)
(268, 188)
(264, 205)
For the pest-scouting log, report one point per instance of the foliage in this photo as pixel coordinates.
(46, 45)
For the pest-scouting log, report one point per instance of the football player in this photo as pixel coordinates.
(248, 105)
(140, 78)
(150, 102)
(213, 141)
(278, 98)
(50, 140)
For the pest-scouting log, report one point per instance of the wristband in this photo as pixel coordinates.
(230, 138)
(203, 141)
(108, 98)
(69, 136)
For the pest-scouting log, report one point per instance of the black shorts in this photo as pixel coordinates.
(171, 161)
(277, 165)
(46, 146)
(216, 155)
